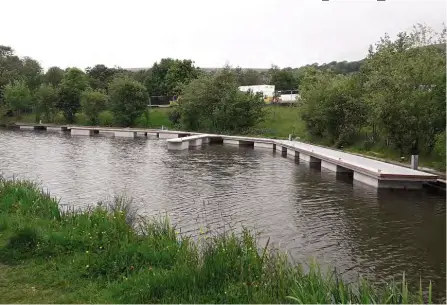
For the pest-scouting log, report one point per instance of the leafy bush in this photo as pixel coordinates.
(74, 82)
(214, 103)
(404, 85)
(17, 97)
(59, 118)
(92, 103)
(81, 119)
(128, 100)
(174, 116)
(332, 107)
(105, 118)
(46, 100)
(144, 119)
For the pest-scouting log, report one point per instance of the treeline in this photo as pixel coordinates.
(397, 98)
(290, 78)
(105, 95)
(24, 88)
(61, 95)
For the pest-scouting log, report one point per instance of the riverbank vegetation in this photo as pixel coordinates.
(396, 100)
(106, 254)
(390, 104)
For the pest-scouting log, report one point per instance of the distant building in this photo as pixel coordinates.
(287, 96)
(268, 91)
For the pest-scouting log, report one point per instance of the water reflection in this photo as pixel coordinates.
(305, 210)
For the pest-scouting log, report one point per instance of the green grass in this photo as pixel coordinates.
(106, 254)
(157, 117)
(389, 154)
(280, 121)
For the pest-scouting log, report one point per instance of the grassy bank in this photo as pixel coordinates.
(281, 121)
(97, 256)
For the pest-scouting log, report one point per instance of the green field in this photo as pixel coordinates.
(280, 121)
(97, 256)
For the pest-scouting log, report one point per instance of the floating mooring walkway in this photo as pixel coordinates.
(368, 171)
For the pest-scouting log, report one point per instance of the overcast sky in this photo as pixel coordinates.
(248, 33)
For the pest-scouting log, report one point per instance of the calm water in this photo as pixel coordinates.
(308, 212)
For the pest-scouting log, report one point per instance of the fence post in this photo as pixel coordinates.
(414, 161)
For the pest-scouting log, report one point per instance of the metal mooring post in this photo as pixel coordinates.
(414, 161)
(290, 137)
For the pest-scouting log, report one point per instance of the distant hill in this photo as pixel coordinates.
(342, 67)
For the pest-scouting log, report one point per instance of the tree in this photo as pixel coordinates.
(10, 66)
(54, 76)
(169, 76)
(31, 73)
(180, 72)
(17, 97)
(213, 103)
(128, 100)
(157, 85)
(283, 79)
(405, 88)
(13, 68)
(331, 106)
(252, 77)
(73, 83)
(92, 103)
(6, 51)
(145, 78)
(100, 76)
(45, 98)
(248, 77)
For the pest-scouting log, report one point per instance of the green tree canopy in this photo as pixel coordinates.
(31, 73)
(249, 77)
(283, 79)
(10, 66)
(128, 100)
(167, 77)
(54, 76)
(214, 103)
(92, 103)
(405, 88)
(45, 98)
(331, 106)
(74, 82)
(100, 76)
(17, 97)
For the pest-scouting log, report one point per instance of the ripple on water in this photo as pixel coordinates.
(305, 211)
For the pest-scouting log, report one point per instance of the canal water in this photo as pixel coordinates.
(308, 212)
